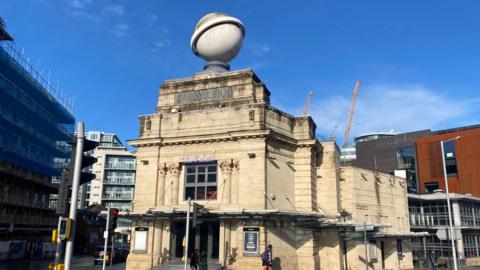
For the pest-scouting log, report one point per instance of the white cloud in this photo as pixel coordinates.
(79, 4)
(79, 9)
(401, 108)
(259, 49)
(120, 29)
(159, 44)
(151, 17)
(115, 9)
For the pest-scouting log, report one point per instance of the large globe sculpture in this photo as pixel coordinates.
(217, 39)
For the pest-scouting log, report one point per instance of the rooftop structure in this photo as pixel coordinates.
(373, 136)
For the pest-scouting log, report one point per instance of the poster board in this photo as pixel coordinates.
(251, 241)
(141, 239)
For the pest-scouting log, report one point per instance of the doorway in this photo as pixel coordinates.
(205, 237)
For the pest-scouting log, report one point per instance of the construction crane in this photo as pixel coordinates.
(348, 126)
(306, 108)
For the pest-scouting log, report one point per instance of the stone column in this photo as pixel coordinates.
(209, 242)
(157, 243)
(174, 173)
(457, 222)
(226, 167)
(235, 182)
(162, 170)
(224, 242)
(197, 236)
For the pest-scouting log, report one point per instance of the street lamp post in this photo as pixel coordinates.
(454, 253)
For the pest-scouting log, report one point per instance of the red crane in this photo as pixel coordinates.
(348, 126)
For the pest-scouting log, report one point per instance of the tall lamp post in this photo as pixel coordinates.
(454, 253)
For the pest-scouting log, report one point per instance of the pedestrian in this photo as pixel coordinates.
(194, 260)
(432, 259)
(267, 258)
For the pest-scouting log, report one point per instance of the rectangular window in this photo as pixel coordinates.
(201, 181)
(431, 186)
(405, 158)
(450, 157)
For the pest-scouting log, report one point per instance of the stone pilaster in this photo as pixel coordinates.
(174, 173)
(307, 252)
(226, 167)
(162, 171)
(305, 180)
(235, 182)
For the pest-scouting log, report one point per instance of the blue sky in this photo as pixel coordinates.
(418, 61)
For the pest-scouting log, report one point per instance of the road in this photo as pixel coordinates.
(78, 263)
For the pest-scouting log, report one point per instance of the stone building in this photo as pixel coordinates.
(262, 177)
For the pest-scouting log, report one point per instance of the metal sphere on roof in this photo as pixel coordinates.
(217, 38)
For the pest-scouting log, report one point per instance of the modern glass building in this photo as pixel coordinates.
(429, 213)
(35, 126)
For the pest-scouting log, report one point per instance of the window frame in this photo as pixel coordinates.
(196, 184)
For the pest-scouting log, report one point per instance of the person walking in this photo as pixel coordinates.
(194, 260)
(432, 259)
(267, 258)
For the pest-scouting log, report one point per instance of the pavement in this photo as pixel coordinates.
(78, 263)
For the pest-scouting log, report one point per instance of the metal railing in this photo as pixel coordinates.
(42, 78)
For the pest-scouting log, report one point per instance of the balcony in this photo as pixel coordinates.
(118, 197)
(120, 166)
(119, 181)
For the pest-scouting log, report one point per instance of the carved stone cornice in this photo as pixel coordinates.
(145, 142)
(218, 137)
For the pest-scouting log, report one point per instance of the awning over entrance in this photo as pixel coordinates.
(382, 235)
(303, 219)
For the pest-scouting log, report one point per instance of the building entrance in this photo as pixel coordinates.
(205, 237)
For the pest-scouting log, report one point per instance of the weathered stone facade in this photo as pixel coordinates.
(271, 176)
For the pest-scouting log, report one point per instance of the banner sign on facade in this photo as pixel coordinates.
(251, 240)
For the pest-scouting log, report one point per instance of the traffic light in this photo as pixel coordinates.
(196, 208)
(113, 219)
(66, 179)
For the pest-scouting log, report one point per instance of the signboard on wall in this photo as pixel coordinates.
(251, 240)
(199, 96)
(141, 239)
